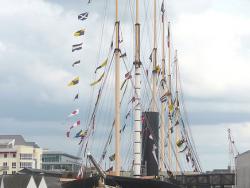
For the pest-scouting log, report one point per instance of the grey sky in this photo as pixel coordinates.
(213, 42)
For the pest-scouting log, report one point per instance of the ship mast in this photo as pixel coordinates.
(154, 108)
(169, 101)
(177, 115)
(117, 94)
(163, 106)
(137, 109)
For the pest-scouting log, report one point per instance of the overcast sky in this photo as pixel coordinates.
(213, 42)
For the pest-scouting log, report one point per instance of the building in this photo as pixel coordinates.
(243, 170)
(59, 161)
(16, 154)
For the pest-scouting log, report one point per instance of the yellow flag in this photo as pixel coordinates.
(97, 81)
(79, 33)
(74, 81)
(171, 107)
(102, 65)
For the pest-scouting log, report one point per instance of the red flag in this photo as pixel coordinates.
(75, 112)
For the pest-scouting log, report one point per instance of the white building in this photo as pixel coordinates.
(16, 154)
(243, 170)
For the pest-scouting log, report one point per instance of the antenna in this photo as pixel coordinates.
(232, 150)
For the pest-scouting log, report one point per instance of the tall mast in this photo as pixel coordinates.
(137, 109)
(117, 94)
(177, 102)
(169, 101)
(163, 106)
(154, 108)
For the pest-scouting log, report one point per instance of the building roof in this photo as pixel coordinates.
(245, 153)
(16, 181)
(52, 182)
(39, 172)
(37, 179)
(60, 153)
(19, 140)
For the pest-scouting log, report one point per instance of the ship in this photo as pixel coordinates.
(149, 100)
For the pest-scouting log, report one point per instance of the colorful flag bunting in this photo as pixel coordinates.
(171, 107)
(74, 81)
(150, 57)
(110, 169)
(79, 33)
(128, 75)
(81, 134)
(163, 98)
(187, 158)
(112, 157)
(97, 81)
(123, 55)
(77, 96)
(176, 123)
(76, 47)
(162, 7)
(76, 62)
(67, 134)
(111, 45)
(83, 16)
(180, 142)
(183, 149)
(102, 65)
(171, 129)
(132, 100)
(74, 113)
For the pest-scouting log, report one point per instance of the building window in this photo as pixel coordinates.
(4, 172)
(50, 158)
(26, 156)
(14, 155)
(13, 165)
(25, 165)
(5, 164)
(13, 172)
(5, 155)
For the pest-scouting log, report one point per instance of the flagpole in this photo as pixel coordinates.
(117, 95)
(163, 106)
(154, 108)
(169, 102)
(137, 108)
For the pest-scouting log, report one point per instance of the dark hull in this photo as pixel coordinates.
(124, 182)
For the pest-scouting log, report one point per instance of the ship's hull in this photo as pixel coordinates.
(124, 182)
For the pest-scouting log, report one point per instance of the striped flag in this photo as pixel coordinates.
(76, 47)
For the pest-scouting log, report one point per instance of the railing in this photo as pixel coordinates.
(206, 179)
